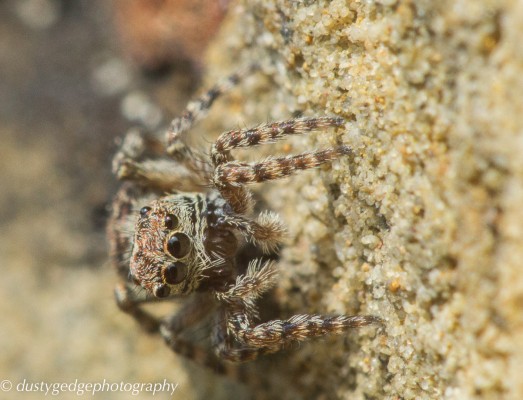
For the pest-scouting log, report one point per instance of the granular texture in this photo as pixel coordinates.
(423, 225)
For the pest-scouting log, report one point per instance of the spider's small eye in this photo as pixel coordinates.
(179, 245)
(144, 211)
(170, 221)
(175, 273)
(161, 291)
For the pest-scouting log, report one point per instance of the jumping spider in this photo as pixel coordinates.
(180, 219)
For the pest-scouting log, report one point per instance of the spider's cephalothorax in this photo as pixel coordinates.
(187, 242)
(180, 246)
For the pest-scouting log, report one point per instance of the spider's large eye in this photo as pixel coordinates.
(179, 245)
(170, 221)
(175, 273)
(161, 291)
(144, 211)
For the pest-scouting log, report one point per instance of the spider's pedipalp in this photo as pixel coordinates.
(267, 230)
(260, 277)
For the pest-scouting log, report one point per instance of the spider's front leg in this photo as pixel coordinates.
(254, 339)
(230, 176)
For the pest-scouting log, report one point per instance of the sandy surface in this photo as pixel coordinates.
(67, 93)
(421, 226)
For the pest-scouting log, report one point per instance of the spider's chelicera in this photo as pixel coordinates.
(187, 242)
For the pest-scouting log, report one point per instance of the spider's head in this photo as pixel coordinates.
(168, 254)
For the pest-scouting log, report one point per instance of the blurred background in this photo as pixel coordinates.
(74, 76)
(424, 228)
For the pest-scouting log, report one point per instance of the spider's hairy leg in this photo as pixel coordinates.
(135, 145)
(120, 228)
(129, 302)
(230, 176)
(269, 337)
(267, 133)
(233, 174)
(254, 339)
(260, 277)
(226, 350)
(239, 197)
(191, 313)
(274, 335)
(163, 175)
(197, 110)
(139, 159)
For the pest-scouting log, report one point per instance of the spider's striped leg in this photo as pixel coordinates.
(129, 302)
(230, 176)
(163, 175)
(172, 328)
(195, 111)
(226, 349)
(254, 339)
(267, 133)
(238, 305)
(234, 173)
(275, 334)
(137, 145)
(139, 159)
